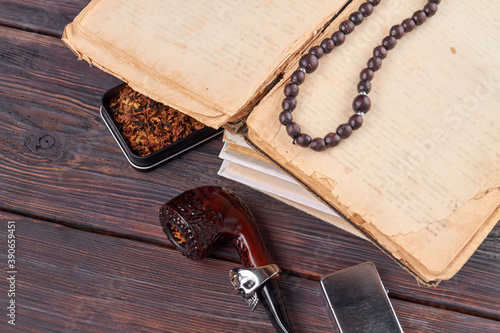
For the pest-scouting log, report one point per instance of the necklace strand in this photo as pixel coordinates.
(361, 104)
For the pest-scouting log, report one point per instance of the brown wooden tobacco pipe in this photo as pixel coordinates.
(200, 220)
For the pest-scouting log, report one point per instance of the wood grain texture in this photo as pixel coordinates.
(83, 180)
(40, 16)
(75, 281)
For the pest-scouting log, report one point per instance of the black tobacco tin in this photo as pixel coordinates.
(154, 159)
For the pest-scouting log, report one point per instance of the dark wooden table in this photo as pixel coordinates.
(90, 254)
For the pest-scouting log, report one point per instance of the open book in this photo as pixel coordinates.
(420, 179)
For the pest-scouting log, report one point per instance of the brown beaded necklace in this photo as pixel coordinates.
(361, 104)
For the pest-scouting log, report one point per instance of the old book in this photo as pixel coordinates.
(421, 177)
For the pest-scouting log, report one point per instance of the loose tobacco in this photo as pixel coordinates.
(148, 126)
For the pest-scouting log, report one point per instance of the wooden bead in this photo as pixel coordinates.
(366, 74)
(364, 87)
(419, 17)
(397, 31)
(298, 77)
(303, 140)
(328, 45)
(389, 42)
(380, 51)
(366, 9)
(361, 103)
(332, 139)
(317, 50)
(318, 144)
(356, 18)
(309, 62)
(346, 27)
(289, 104)
(355, 121)
(291, 90)
(430, 9)
(338, 38)
(408, 24)
(373, 2)
(344, 131)
(285, 117)
(293, 130)
(375, 63)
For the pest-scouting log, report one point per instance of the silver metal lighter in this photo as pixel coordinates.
(358, 301)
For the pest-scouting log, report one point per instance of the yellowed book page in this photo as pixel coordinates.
(246, 151)
(237, 143)
(208, 59)
(421, 176)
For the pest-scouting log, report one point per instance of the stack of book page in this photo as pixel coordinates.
(243, 164)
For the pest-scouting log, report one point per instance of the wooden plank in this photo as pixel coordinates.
(42, 67)
(426, 319)
(80, 176)
(93, 282)
(70, 280)
(84, 181)
(42, 16)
